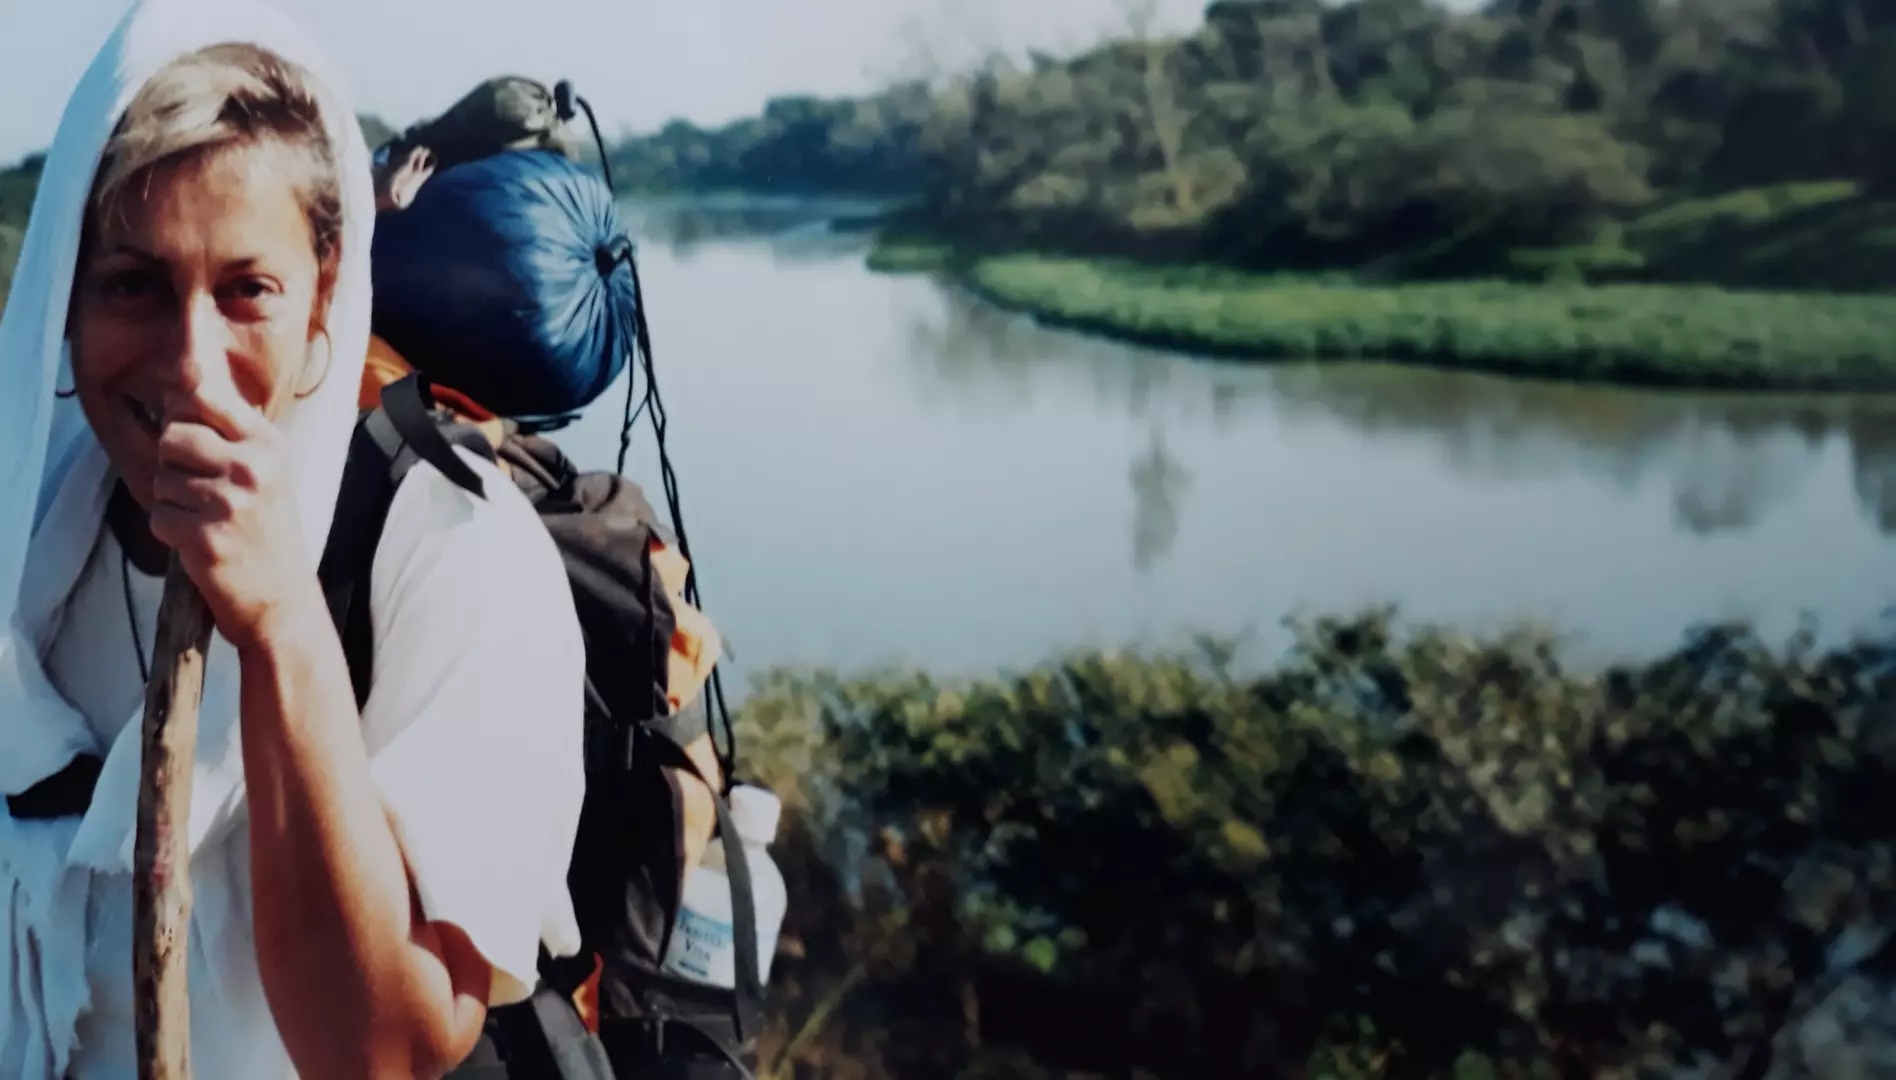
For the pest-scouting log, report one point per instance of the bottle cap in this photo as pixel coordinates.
(755, 811)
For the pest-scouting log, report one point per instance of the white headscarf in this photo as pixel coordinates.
(54, 482)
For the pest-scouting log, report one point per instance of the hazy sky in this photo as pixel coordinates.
(639, 62)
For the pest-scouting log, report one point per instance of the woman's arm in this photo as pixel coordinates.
(360, 985)
(380, 944)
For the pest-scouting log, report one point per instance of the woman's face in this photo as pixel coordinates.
(206, 275)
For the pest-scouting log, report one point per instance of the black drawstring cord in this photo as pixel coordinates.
(131, 614)
(719, 714)
(564, 100)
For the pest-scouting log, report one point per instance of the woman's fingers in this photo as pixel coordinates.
(217, 405)
(200, 517)
(180, 529)
(194, 448)
(201, 449)
(203, 498)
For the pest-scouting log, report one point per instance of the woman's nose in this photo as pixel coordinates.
(202, 351)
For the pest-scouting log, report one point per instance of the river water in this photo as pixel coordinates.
(878, 470)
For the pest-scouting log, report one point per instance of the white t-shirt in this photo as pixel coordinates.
(473, 727)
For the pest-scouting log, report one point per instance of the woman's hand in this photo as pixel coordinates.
(223, 500)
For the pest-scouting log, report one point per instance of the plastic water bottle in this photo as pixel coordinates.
(704, 943)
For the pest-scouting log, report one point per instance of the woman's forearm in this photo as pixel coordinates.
(359, 986)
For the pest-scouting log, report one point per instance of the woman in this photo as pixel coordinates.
(179, 365)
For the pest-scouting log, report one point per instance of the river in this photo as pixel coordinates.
(880, 471)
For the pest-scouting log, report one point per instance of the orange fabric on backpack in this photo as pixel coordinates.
(695, 643)
(586, 997)
(386, 366)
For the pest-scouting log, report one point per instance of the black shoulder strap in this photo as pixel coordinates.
(409, 406)
(361, 509)
(541, 1038)
(388, 441)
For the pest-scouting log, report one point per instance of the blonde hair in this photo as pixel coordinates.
(224, 96)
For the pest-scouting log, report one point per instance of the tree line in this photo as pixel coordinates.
(1380, 134)
(1305, 132)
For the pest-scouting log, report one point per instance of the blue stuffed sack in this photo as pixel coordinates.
(507, 279)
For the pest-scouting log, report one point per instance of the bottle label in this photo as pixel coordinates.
(703, 950)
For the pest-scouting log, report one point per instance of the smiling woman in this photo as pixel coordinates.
(211, 279)
(371, 875)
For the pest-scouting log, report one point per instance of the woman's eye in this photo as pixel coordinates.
(250, 295)
(128, 285)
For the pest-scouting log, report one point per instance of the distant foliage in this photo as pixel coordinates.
(800, 145)
(1400, 856)
(1302, 132)
(10, 238)
(17, 188)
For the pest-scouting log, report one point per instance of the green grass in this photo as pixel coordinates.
(1768, 288)
(1681, 335)
(902, 255)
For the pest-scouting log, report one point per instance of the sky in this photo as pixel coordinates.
(640, 63)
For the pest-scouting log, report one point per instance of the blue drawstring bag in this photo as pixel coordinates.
(507, 279)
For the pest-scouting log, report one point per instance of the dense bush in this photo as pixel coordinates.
(1387, 856)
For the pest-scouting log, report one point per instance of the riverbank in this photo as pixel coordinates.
(1647, 334)
(1407, 849)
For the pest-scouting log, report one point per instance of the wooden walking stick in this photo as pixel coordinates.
(161, 878)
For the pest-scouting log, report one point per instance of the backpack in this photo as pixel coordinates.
(642, 735)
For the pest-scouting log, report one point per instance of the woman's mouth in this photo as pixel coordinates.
(146, 416)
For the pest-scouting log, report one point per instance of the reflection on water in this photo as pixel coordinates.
(1726, 458)
(1158, 483)
(1873, 469)
(880, 469)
